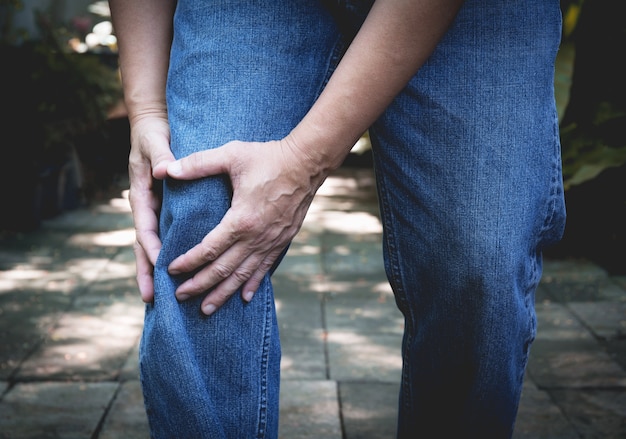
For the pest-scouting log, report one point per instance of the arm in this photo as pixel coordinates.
(395, 40)
(144, 32)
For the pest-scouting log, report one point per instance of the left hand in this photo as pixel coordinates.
(273, 186)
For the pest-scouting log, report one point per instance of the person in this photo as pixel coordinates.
(238, 112)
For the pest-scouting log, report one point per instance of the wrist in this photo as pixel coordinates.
(138, 111)
(323, 148)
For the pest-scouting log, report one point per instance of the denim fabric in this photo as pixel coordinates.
(469, 178)
(238, 70)
(468, 169)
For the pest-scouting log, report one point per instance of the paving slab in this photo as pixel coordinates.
(309, 410)
(594, 413)
(566, 354)
(616, 348)
(54, 410)
(359, 285)
(606, 320)
(376, 314)
(301, 326)
(353, 356)
(303, 356)
(590, 284)
(556, 322)
(542, 296)
(126, 418)
(26, 317)
(574, 364)
(130, 369)
(299, 302)
(369, 409)
(86, 344)
(571, 270)
(111, 214)
(303, 256)
(540, 418)
(356, 253)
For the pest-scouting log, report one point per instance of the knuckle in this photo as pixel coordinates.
(248, 223)
(241, 275)
(207, 252)
(222, 271)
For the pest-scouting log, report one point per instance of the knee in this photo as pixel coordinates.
(190, 210)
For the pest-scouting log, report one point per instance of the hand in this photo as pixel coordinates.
(149, 156)
(273, 186)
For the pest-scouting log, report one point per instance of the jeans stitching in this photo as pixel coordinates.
(395, 277)
(262, 428)
(552, 227)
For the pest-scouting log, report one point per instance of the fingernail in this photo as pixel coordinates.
(182, 297)
(247, 296)
(209, 309)
(174, 168)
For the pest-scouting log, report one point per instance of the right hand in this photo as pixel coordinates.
(149, 156)
(273, 185)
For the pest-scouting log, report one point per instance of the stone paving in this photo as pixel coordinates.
(70, 321)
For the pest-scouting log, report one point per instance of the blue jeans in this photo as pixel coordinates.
(468, 168)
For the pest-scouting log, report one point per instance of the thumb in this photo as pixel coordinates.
(160, 157)
(199, 164)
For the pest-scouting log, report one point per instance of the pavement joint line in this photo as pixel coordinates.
(325, 336)
(106, 411)
(81, 291)
(572, 409)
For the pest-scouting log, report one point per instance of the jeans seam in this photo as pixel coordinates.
(550, 219)
(262, 428)
(395, 277)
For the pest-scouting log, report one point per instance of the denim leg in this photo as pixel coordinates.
(468, 166)
(238, 71)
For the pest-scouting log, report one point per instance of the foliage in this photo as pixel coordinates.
(590, 149)
(52, 97)
(592, 129)
(53, 92)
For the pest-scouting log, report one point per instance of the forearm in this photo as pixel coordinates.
(144, 32)
(395, 40)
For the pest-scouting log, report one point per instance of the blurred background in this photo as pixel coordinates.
(65, 133)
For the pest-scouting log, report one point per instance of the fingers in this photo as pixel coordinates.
(252, 285)
(271, 194)
(148, 244)
(208, 250)
(225, 290)
(145, 280)
(228, 275)
(200, 164)
(157, 150)
(145, 217)
(150, 140)
(148, 159)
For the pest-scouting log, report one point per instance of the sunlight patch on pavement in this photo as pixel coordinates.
(366, 351)
(353, 223)
(22, 272)
(116, 238)
(121, 204)
(118, 270)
